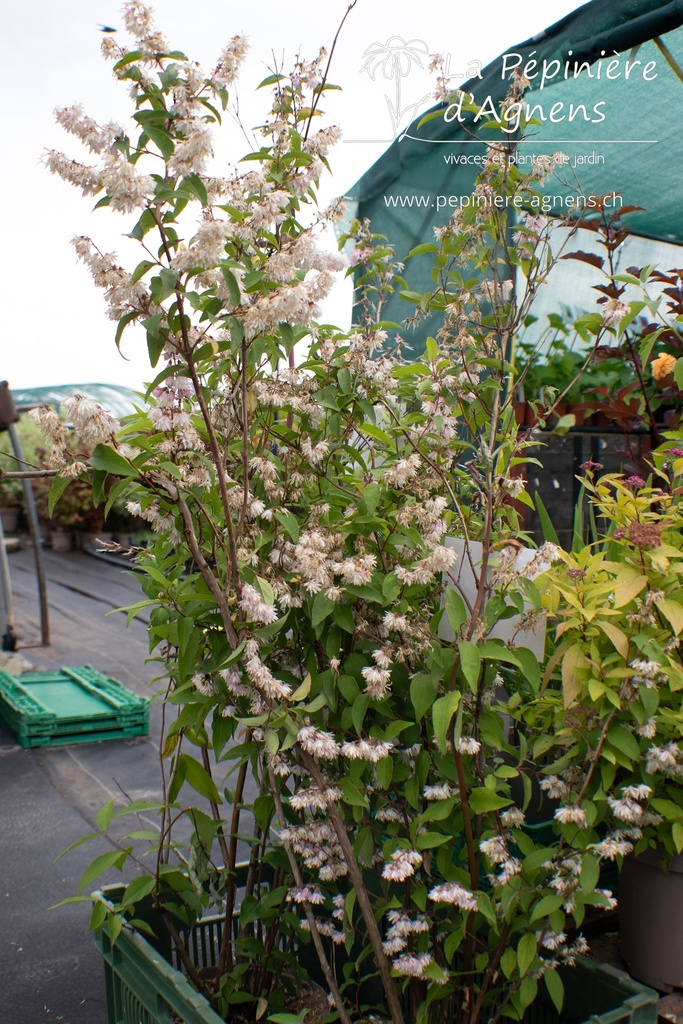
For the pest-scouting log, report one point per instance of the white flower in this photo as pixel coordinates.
(441, 792)
(554, 787)
(613, 846)
(372, 750)
(230, 60)
(455, 894)
(468, 745)
(572, 815)
(307, 894)
(512, 818)
(388, 813)
(495, 848)
(663, 759)
(412, 964)
(512, 866)
(640, 792)
(314, 799)
(612, 312)
(393, 946)
(203, 684)
(402, 865)
(92, 422)
(550, 939)
(254, 607)
(403, 471)
(317, 743)
(357, 570)
(625, 810)
(377, 680)
(261, 676)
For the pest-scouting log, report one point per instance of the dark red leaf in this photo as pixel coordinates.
(585, 257)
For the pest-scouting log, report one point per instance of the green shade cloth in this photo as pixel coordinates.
(119, 400)
(635, 150)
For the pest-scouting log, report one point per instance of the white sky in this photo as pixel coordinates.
(54, 326)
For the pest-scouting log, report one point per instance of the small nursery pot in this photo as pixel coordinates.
(651, 919)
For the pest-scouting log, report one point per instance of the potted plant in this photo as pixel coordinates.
(617, 712)
(297, 580)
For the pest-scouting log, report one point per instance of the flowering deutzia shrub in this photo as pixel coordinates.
(297, 587)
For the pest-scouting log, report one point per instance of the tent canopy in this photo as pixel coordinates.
(615, 119)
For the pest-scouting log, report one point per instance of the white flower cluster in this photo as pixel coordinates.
(401, 926)
(316, 843)
(402, 865)
(665, 760)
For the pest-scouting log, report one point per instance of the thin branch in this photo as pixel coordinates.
(310, 916)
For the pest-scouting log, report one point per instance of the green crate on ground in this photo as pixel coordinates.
(71, 705)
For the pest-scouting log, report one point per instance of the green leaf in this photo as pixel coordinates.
(197, 187)
(545, 521)
(677, 836)
(344, 381)
(197, 776)
(122, 324)
(423, 691)
(111, 462)
(547, 905)
(104, 815)
(233, 287)
(59, 485)
(168, 279)
(139, 272)
(428, 840)
(352, 795)
(343, 616)
(290, 523)
(373, 431)
(371, 497)
(442, 713)
(553, 983)
(422, 248)
(624, 741)
(391, 587)
(470, 663)
(155, 340)
(590, 873)
(526, 952)
(162, 140)
(527, 991)
(97, 867)
(321, 608)
(141, 886)
(627, 585)
(483, 800)
(360, 706)
(79, 842)
(508, 961)
(384, 770)
(456, 610)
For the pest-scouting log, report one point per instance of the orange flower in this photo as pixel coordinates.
(662, 367)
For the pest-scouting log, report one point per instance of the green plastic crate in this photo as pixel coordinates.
(72, 705)
(143, 988)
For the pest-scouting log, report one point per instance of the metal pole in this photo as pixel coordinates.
(34, 528)
(8, 638)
